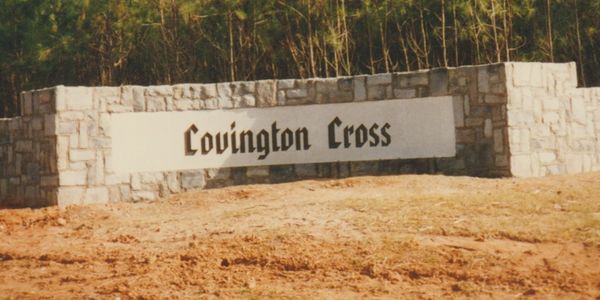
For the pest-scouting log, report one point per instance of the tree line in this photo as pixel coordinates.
(114, 42)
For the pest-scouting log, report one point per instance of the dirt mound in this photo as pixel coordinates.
(371, 237)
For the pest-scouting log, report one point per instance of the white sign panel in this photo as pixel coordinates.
(391, 129)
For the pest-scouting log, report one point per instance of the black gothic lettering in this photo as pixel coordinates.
(302, 139)
(262, 144)
(387, 139)
(188, 140)
(333, 143)
(287, 139)
(206, 143)
(361, 136)
(274, 131)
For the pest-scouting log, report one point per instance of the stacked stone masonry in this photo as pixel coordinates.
(554, 127)
(28, 158)
(511, 119)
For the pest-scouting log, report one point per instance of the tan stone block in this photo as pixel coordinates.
(379, 79)
(498, 88)
(173, 182)
(107, 91)
(50, 125)
(527, 74)
(69, 178)
(23, 145)
(541, 131)
(155, 103)
(488, 128)
(306, 170)
(345, 85)
(114, 194)
(70, 196)
(169, 104)
(218, 173)
(78, 166)
(125, 192)
(483, 80)
(465, 136)
(62, 149)
(26, 104)
(193, 179)
(3, 186)
(285, 84)
(46, 181)
(459, 114)
(184, 104)
(71, 116)
(473, 122)
(376, 92)
(578, 111)
(118, 108)
(115, 179)
(60, 99)
(329, 85)
(525, 144)
(79, 98)
(296, 93)
(551, 117)
(224, 90)
(266, 93)
(420, 78)
(520, 165)
(83, 135)
(103, 124)
(501, 161)
(99, 167)
(67, 128)
(143, 195)
(467, 105)
(159, 90)
(152, 177)
(405, 93)
(225, 102)
(551, 103)
(96, 195)
(574, 163)
(499, 140)
(209, 91)
(181, 91)
(241, 88)
(281, 98)
(438, 82)
(212, 103)
(100, 142)
(82, 155)
(360, 90)
(257, 171)
(136, 183)
(495, 99)
(74, 141)
(248, 101)
(547, 157)
(139, 98)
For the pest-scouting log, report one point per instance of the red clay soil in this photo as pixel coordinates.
(394, 237)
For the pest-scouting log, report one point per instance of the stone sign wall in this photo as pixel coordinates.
(301, 134)
(521, 119)
(554, 127)
(28, 170)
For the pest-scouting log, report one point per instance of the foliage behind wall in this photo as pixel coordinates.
(113, 42)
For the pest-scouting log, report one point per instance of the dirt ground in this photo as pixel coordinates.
(372, 237)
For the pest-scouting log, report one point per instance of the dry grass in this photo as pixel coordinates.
(527, 210)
